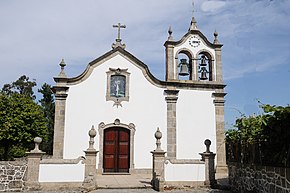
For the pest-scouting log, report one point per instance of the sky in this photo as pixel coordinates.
(36, 34)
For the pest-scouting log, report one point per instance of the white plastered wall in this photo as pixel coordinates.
(195, 122)
(184, 172)
(61, 172)
(86, 105)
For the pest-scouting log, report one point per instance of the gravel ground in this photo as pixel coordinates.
(153, 191)
(138, 191)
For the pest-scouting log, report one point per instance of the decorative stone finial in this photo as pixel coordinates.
(215, 37)
(62, 65)
(193, 25)
(117, 122)
(118, 40)
(37, 141)
(118, 44)
(158, 136)
(207, 143)
(170, 34)
(92, 134)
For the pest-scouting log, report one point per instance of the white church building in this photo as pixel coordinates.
(119, 96)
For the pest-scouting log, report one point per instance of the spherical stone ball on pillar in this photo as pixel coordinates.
(33, 162)
(207, 143)
(158, 156)
(158, 136)
(37, 141)
(90, 162)
(92, 134)
(208, 157)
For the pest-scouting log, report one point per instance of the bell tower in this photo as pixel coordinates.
(194, 63)
(193, 58)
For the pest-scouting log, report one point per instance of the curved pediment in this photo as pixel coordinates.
(188, 35)
(107, 56)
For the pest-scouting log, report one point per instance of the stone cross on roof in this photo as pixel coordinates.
(119, 26)
(118, 40)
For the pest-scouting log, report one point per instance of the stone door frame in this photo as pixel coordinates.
(116, 123)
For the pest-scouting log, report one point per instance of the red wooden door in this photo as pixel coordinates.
(116, 150)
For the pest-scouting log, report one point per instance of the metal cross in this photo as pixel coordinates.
(119, 26)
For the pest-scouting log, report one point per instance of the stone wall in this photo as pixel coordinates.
(12, 175)
(259, 179)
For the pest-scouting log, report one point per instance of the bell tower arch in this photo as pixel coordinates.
(183, 58)
(205, 65)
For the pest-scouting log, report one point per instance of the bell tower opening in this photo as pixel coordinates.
(184, 65)
(205, 71)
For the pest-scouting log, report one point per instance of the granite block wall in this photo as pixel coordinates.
(259, 179)
(12, 174)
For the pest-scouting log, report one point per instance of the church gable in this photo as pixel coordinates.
(118, 51)
(114, 86)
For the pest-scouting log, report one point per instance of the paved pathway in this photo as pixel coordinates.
(141, 181)
(135, 183)
(137, 191)
(153, 191)
(124, 181)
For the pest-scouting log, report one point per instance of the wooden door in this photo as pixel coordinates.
(116, 150)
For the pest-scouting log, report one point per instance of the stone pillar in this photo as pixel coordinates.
(221, 168)
(90, 163)
(171, 99)
(158, 164)
(33, 162)
(208, 158)
(218, 55)
(194, 71)
(218, 58)
(60, 100)
(170, 58)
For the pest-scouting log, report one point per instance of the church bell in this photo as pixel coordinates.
(183, 68)
(203, 73)
(203, 61)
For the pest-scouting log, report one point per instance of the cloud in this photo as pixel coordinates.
(253, 32)
(212, 6)
(35, 35)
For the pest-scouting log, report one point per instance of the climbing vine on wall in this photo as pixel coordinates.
(261, 139)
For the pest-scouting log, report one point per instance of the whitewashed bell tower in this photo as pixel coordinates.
(193, 57)
(193, 62)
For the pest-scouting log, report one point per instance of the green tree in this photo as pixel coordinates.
(22, 86)
(278, 129)
(48, 105)
(21, 120)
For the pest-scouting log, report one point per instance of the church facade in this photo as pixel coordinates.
(119, 97)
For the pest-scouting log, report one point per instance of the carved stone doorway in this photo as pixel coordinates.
(114, 136)
(116, 150)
